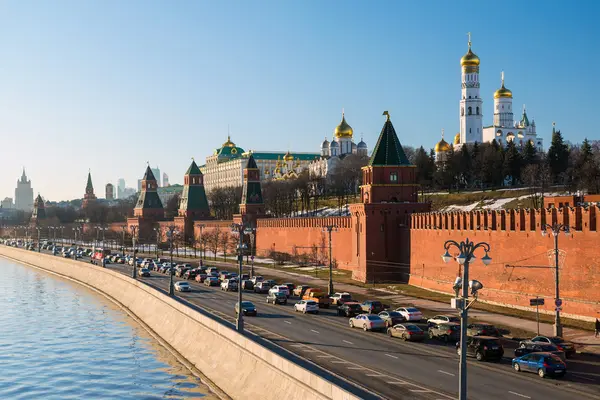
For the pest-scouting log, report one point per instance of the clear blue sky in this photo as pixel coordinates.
(108, 85)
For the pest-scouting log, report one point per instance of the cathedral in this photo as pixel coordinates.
(334, 151)
(504, 128)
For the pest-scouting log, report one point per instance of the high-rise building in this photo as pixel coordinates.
(24, 194)
(120, 188)
(7, 203)
(156, 172)
(165, 181)
(110, 191)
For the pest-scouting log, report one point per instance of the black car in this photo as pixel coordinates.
(291, 287)
(190, 274)
(562, 344)
(449, 331)
(349, 309)
(248, 308)
(526, 347)
(277, 298)
(483, 348)
(482, 329)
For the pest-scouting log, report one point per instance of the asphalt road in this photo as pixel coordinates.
(387, 366)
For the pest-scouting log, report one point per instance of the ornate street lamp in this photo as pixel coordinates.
(134, 229)
(329, 229)
(556, 229)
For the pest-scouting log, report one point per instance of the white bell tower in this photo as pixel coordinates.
(471, 110)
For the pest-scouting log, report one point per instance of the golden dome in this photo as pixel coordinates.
(457, 138)
(442, 146)
(502, 92)
(288, 157)
(343, 129)
(470, 59)
(228, 143)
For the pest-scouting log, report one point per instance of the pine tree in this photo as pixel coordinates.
(558, 155)
(530, 155)
(512, 163)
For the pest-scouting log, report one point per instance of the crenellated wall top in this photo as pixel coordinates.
(308, 222)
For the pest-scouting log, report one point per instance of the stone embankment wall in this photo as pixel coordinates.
(215, 349)
(520, 261)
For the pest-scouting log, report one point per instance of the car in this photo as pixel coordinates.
(183, 286)
(248, 308)
(441, 319)
(190, 274)
(300, 289)
(372, 306)
(256, 279)
(349, 309)
(544, 364)
(144, 272)
(211, 281)
(247, 284)
(262, 287)
(210, 270)
(368, 322)
(406, 332)
(482, 329)
(307, 306)
(180, 271)
(224, 275)
(559, 342)
(291, 287)
(445, 331)
(277, 298)
(280, 288)
(317, 295)
(410, 313)
(526, 347)
(229, 285)
(201, 277)
(340, 298)
(391, 318)
(483, 348)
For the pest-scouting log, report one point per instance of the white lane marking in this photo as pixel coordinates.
(296, 345)
(420, 390)
(340, 362)
(398, 383)
(375, 375)
(312, 351)
(325, 356)
(519, 394)
(389, 355)
(345, 341)
(444, 372)
(355, 368)
(312, 330)
(584, 377)
(287, 322)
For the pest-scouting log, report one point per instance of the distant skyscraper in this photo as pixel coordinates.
(24, 194)
(156, 172)
(165, 181)
(120, 188)
(110, 191)
(7, 203)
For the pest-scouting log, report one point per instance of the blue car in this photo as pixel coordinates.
(544, 364)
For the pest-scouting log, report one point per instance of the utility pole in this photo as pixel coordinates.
(134, 229)
(556, 228)
(171, 232)
(329, 229)
(240, 228)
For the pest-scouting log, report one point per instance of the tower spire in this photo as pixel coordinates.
(442, 133)
(469, 34)
(502, 77)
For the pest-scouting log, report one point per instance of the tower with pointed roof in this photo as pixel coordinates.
(149, 205)
(252, 205)
(193, 205)
(89, 197)
(24, 194)
(39, 211)
(380, 222)
(471, 109)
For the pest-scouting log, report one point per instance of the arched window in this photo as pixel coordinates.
(462, 111)
(477, 111)
(470, 110)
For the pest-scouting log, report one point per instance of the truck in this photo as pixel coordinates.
(317, 295)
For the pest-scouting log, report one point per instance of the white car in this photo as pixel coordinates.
(340, 298)
(183, 287)
(442, 319)
(281, 289)
(229, 284)
(368, 322)
(410, 313)
(307, 306)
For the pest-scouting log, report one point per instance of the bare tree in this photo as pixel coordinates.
(538, 177)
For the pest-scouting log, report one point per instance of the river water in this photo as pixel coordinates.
(60, 340)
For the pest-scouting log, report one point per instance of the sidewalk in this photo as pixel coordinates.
(585, 340)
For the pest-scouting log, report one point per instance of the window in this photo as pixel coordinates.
(477, 111)
(469, 96)
(470, 110)
(469, 130)
(393, 177)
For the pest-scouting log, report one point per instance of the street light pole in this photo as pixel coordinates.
(171, 232)
(239, 228)
(466, 256)
(556, 228)
(133, 232)
(39, 244)
(329, 229)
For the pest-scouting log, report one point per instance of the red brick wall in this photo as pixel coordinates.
(515, 250)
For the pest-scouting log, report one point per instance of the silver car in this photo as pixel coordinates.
(368, 322)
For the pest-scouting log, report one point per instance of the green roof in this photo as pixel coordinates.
(193, 198)
(148, 200)
(251, 162)
(193, 169)
(275, 155)
(524, 119)
(252, 193)
(89, 186)
(149, 176)
(388, 150)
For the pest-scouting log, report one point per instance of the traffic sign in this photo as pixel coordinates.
(558, 309)
(536, 302)
(558, 302)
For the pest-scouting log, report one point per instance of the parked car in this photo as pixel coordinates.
(144, 272)
(483, 348)
(372, 306)
(349, 309)
(229, 285)
(562, 344)
(180, 271)
(211, 270)
(291, 287)
(307, 306)
(183, 286)
(212, 281)
(201, 277)
(340, 298)
(248, 308)
(277, 298)
(447, 332)
(256, 279)
(391, 318)
(261, 287)
(224, 275)
(526, 347)
(406, 332)
(300, 289)
(482, 329)
(190, 274)
(318, 296)
(281, 289)
(247, 284)
(543, 364)
(442, 319)
(368, 322)
(410, 313)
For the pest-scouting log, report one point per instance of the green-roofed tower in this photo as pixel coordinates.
(149, 205)
(89, 197)
(193, 203)
(252, 200)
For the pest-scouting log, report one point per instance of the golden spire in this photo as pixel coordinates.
(502, 92)
(387, 114)
(470, 59)
(469, 34)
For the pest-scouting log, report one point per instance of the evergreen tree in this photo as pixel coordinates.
(530, 155)
(465, 166)
(512, 163)
(424, 167)
(558, 155)
(476, 164)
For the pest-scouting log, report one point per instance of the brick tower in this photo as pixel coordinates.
(39, 211)
(193, 204)
(149, 205)
(381, 239)
(252, 206)
(89, 197)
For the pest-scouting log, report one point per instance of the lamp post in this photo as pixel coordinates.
(133, 229)
(171, 232)
(201, 226)
(62, 238)
(39, 246)
(556, 228)
(466, 256)
(123, 230)
(240, 229)
(329, 229)
(157, 230)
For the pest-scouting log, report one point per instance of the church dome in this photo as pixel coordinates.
(362, 145)
(457, 138)
(288, 157)
(442, 146)
(325, 144)
(228, 143)
(343, 129)
(503, 92)
(334, 144)
(470, 59)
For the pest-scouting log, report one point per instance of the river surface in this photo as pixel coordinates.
(60, 340)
